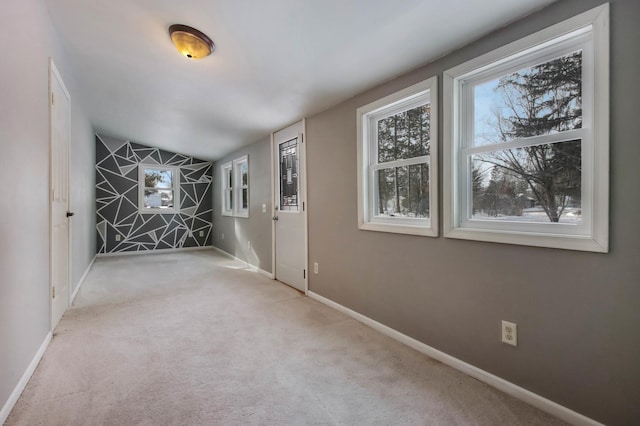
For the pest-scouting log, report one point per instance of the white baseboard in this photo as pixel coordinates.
(81, 281)
(509, 388)
(250, 266)
(160, 251)
(13, 398)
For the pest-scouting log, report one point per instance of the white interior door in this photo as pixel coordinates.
(60, 121)
(289, 216)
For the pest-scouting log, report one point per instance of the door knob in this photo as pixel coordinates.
(275, 218)
(69, 214)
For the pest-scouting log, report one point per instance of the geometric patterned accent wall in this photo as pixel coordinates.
(117, 200)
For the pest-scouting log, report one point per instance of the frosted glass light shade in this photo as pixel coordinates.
(190, 42)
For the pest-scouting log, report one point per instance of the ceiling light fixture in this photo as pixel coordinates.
(190, 42)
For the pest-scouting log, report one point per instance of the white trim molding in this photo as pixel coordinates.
(492, 380)
(175, 188)
(22, 383)
(587, 33)
(239, 187)
(251, 267)
(367, 117)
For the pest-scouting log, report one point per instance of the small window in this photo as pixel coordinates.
(241, 179)
(526, 140)
(227, 189)
(397, 178)
(159, 189)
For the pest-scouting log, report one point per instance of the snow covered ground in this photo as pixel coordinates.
(571, 215)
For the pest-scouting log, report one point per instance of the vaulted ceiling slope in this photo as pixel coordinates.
(276, 61)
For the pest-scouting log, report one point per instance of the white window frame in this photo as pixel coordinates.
(591, 31)
(175, 187)
(227, 203)
(367, 116)
(239, 211)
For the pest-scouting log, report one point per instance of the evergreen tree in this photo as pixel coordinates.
(544, 99)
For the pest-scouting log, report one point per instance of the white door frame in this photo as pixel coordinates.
(54, 73)
(303, 189)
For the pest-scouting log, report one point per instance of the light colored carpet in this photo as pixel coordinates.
(193, 338)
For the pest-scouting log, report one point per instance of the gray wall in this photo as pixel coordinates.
(117, 164)
(82, 192)
(257, 227)
(28, 40)
(577, 312)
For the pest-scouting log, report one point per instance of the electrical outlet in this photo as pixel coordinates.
(201, 233)
(509, 333)
(118, 237)
(264, 208)
(223, 235)
(248, 245)
(315, 267)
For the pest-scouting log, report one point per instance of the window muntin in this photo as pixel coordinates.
(528, 136)
(159, 188)
(396, 175)
(241, 186)
(227, 188)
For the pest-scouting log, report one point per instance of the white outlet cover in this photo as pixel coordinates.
(315, 267)
(223, 235)
(509, 333)
(264, 208)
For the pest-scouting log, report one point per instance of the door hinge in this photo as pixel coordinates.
(304, 273)
(53, 292)
(53, 98)
(303, 206)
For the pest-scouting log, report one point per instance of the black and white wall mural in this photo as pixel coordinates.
(121, 225)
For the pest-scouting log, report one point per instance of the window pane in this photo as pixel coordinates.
(158, 198)
(289, 175)
(245, 198)
(404, 135)
(229, 200)
(244, 172)
(403, 191)
(154, 178)
(533, 184)
(540, 100)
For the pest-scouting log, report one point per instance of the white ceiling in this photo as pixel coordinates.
(276, 61)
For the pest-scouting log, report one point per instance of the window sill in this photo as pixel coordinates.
(565, 242)
(424, 231)
(159, 211)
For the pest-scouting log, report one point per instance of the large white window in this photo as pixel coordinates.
(527, 140)
(241, 180)
(235, 187)
(226, 179)
(397, 162)
(159, 188)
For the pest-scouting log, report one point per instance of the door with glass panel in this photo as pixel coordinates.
(289, 216)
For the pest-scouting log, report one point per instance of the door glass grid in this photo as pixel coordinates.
(289, 175)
